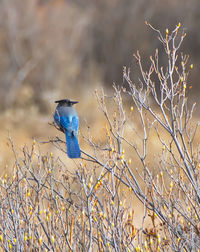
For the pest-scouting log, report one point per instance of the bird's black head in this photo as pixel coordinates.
(66, 102)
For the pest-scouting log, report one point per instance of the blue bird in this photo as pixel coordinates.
(67, 120)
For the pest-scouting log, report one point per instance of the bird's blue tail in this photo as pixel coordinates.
(73, 149)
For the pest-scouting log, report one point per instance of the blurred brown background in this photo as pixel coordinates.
(52, 49)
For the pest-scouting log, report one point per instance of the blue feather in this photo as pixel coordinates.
(73, 149)
(67, 120)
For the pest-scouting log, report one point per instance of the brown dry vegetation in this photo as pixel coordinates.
(113, 199)
(50, 48)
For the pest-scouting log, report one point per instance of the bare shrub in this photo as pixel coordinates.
(47, 206)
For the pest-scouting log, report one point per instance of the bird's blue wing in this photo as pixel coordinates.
(67, 123)
(75, 123)
(63, 122)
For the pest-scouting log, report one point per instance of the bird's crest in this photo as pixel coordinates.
(66, 101)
